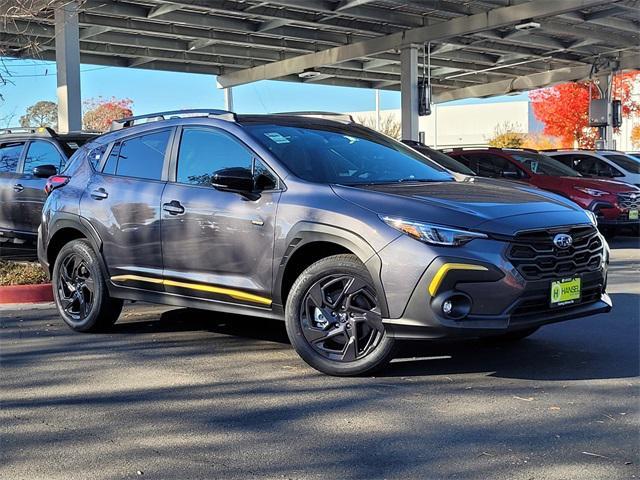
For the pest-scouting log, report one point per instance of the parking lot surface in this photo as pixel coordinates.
(175, 393)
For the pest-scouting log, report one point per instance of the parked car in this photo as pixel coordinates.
(28, 156)
(353, 239)
(615, 203)
(600, 164)
(634, 155)
(440, 158)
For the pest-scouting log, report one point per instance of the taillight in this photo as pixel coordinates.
(54, 182)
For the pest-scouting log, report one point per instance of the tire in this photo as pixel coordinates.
(323, 334)
(80, 290)
(512, 337)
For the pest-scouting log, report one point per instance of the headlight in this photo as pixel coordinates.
(591, 191)
(592, 216)
(433, 234)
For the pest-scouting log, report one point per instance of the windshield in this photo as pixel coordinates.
(543, 165)
(624, 162)
(354, 156)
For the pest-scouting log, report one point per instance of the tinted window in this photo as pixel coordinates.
(594, 167)
(139, 157)
(493, 166)
(624, 162)
(203, 152)
(41, 152)
(9, 156)
(444, 160)
(543, 165)
(95, 155)
(324, 153)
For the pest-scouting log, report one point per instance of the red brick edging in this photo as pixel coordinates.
(26, 293)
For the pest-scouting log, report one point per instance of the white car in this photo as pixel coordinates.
(601, 163)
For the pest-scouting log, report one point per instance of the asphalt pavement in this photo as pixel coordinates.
(180, 394)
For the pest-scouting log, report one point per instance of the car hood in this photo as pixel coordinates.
(479, 204)
(610, 186)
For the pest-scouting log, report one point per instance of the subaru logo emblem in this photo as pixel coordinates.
(562, 240)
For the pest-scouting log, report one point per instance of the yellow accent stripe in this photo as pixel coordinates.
(444, 269)
(237, 294)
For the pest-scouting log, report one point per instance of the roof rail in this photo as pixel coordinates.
(459, 149)
(159, 116)
(342, 117)
(44, 131)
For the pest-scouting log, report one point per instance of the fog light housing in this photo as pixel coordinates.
(453, 305)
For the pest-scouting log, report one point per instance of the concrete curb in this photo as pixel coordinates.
(14, 294)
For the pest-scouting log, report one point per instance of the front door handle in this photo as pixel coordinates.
(18, 187)
(173, 207)
(99, 194)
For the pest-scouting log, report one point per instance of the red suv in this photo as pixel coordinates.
(614, 203)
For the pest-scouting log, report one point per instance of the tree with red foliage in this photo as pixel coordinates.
(100, 112)
(564, 109)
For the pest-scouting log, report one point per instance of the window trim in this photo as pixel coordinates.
(23, 160)
(173, 166)
(165, 161)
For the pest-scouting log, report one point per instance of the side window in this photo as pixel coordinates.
(565, 159)
(203, 152)
(262, 176)
(496, 167)
(139, 157)
(9, 156)
(95, 155)
(606, 170)
(41, 152)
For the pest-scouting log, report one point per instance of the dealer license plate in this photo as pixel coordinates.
(565, 291)
(633, 214)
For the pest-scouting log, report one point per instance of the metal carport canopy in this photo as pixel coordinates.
(349, 42)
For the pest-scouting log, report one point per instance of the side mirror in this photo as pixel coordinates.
(44, 171)
(237, 180)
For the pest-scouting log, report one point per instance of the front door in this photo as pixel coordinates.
(218, 245)
(122, 202)
(32, 197)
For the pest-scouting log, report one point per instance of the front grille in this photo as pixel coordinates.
(629, 200)
(536, 257)
(536, 302)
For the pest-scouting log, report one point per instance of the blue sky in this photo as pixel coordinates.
(155, 91)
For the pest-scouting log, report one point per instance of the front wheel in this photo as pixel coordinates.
(333, 318)
(80, 291)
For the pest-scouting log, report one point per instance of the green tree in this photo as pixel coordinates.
(41, 114)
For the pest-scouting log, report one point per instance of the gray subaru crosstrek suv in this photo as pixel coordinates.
(355, 240)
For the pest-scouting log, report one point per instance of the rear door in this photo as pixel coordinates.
(32, 196)
(122, 202)
(11, 220)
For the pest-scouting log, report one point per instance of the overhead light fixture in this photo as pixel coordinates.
(309, 74)
(527, 26)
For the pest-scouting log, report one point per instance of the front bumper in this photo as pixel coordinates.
(502, 300)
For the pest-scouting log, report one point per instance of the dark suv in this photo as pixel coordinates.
(352, 238)
(28, 156)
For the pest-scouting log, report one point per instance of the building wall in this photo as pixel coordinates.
(474, 124)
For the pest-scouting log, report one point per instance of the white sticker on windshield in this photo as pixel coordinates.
(276, 137)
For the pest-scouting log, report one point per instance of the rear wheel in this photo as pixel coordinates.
(80, 291)
(333, 318)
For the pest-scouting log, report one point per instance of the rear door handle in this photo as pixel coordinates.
(99, 194)
(18, 187)
(173, 207)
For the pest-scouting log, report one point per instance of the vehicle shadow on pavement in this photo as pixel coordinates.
(188, 320)
(599, 347)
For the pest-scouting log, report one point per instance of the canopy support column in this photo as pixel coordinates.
(68, 67)
(409, 92)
